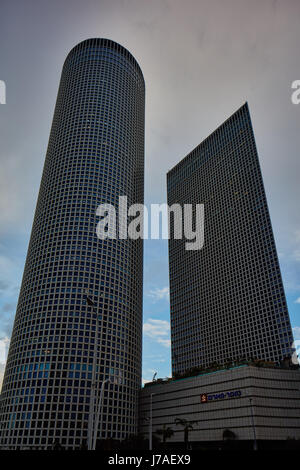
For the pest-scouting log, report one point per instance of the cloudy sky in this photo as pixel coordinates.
(201, 59)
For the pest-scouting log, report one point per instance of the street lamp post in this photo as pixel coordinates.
(150, 422)
(116, 378)
(93, 388)
(91, 421)
(99, 412)
(253, 425)
(95, 410)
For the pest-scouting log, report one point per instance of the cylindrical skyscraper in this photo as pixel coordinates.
(95, 154)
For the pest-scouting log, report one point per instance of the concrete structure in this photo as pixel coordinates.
(227, 300)
(220, 401)
(95, 154)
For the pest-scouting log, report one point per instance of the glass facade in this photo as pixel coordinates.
(95, 154)
(227, 299)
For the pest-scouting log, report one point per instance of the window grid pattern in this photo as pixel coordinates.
(95, 154)
(227, 299)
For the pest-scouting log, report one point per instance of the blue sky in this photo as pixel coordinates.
(201, 59)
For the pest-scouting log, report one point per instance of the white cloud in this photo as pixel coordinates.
(4, 344)
(159, 294)
(160, 359)
(145, 381)
(158, 330)
(296, 331)
(296, 355)
(297, 235)
(164, 342)
(296, 255)
(297, 301)
(2, 368)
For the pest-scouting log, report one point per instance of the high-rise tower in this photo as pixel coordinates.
(227, 299)
(95, 154)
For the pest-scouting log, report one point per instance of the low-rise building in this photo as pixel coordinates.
(244, 403)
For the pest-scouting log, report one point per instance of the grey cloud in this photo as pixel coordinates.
(8, 307)
(201, 60)
(3, 286)
(6, 323)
